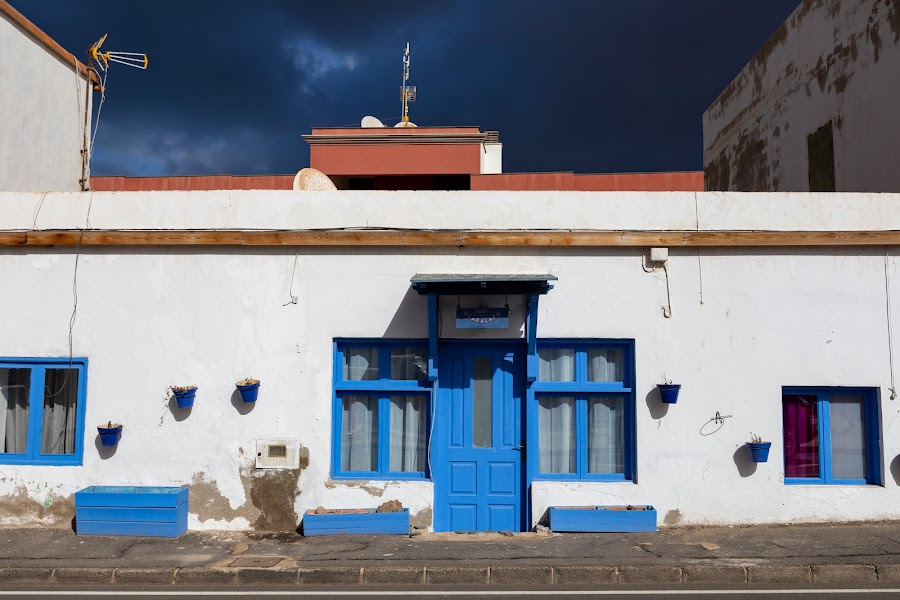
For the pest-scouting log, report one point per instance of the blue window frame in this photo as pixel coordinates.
(381, 409)
(831, 436)
(42, 403)
(581, 411)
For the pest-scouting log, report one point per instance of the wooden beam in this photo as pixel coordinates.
(458, 238)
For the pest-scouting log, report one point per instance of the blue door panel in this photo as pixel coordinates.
(502, 518)
(502, 478)
(462, 517)
(479, 488)
(463, 478)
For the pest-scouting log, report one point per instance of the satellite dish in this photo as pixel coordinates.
(405, 124)
(370, 121)
(313, 180)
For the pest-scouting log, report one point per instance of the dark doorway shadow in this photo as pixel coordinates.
(745, 465)
(658, 408)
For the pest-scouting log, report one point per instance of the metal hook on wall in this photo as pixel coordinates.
(718, 422)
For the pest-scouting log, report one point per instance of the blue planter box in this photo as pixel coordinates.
(138, 511)
(602, 518)
(356, 522)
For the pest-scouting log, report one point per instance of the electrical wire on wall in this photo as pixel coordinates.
(667, 310)
(87, 221)
(82, 114)
(434, 393)
(887, 294)
(97, 121)
(292, 299)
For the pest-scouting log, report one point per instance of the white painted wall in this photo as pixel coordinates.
(586, 211)
(837, 60)
(149, 318)
(491, 159)
(41, 116)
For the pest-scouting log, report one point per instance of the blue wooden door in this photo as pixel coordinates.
(477, 445)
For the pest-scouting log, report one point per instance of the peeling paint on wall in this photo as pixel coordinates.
(272, 492)
(371, 488)
(422, 519)
(830, 60)
(673, 517)
(271, 496)
(21, 508)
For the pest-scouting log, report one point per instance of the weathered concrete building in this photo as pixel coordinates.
(45, 108)
(816, 108)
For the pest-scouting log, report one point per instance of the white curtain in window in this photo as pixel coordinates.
(557, 364)
(15, 385)
(848, 438)
(359, 433)
(60, 408)
(606, 444)
(360, 364)
(407, 433)
(556, 435)
(605, 365)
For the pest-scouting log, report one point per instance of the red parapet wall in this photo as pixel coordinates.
(191, 183)
(389, 159)
(616, 182)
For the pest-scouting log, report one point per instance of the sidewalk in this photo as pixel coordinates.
(845, 553)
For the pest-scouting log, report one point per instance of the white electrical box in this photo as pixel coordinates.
(277, 454)
(659, 255)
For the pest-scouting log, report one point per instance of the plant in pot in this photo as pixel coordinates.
(759, 450)
(249, 389)
(110, 433)
(184, 395)
(668, 391)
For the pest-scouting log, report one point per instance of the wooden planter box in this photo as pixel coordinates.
(138, 511)
(602, 518)
(356, 521)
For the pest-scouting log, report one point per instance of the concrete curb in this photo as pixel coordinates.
(499, 575)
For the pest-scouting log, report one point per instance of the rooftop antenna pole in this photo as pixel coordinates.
(99, 62)
(407, 92)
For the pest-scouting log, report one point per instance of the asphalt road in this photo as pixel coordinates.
(455, 593)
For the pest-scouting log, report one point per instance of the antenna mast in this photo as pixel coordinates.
(407, 92)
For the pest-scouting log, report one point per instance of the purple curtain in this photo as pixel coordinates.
(801, 436)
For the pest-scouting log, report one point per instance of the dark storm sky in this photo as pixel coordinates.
(572, 85)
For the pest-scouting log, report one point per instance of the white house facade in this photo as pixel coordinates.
(477, 356)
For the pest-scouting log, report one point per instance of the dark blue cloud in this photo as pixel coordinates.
(583, 85)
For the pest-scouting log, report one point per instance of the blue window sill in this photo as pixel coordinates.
(52, 460)
(574, 477)
(822, 482)
(370, 476)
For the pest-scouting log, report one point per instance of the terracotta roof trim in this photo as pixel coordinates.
(46, 41)
(380, 139)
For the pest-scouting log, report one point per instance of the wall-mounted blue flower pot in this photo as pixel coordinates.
(668, 392)
(110, 436)
(759, 451)
(249, 392)
(185, 398)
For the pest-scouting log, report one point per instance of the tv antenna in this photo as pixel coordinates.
(407, 92)
(101, 60)
(99, 63)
